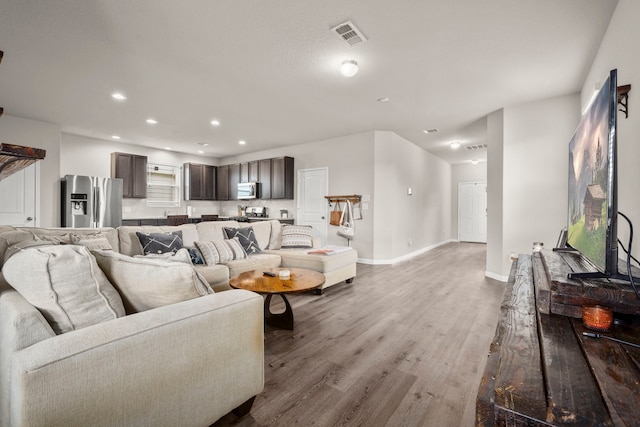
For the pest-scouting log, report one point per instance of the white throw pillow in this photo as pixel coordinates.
(219, 251)
(296, 236)
(65, 283)
(146, 283)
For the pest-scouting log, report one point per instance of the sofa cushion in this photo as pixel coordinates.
(213, 230)
(149, 283)
(296, 236)
(92, 241)
(160, 243)
(254, 262)
(181, 255)
(196, 256)
(219, 251)
(10, 238)
(65, 283)
(299, 258)
(262, 231)
(247, 238)
(130, 244)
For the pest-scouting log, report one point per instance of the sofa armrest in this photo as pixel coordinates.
(195, 360)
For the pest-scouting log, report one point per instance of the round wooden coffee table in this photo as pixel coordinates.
(300, 280)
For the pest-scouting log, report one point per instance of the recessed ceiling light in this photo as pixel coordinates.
(167, 148)
(385, 99)
(433, 130)
(115, 136)
(152, 121)
(118, 96)
(215, 123)
(242, 142)
(200, 152)
(475, 161)
(455, 145)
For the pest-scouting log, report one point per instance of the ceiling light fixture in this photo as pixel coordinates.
(242, 142)
(432, 130)
(202, 144)
(475, 161)
(118, 96)
(455, 145)
(215, 123)
(115, 136)
(152, 121)
(349, 68)
(168, 148)
(385, 99)
(200, 152)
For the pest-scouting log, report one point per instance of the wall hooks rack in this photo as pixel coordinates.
(353, 198)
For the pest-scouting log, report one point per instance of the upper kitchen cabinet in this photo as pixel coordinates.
(264, 178)
(199, 181)
(244, 172)
(253, 171)
(132, 169)
(234, 179)
(282, 178)
(222, 182)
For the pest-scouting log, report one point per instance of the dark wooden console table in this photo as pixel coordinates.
(542, 371)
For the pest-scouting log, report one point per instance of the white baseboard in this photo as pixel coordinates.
(403, 257)
(496, 276)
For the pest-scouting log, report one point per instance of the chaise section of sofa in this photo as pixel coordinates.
(167, 366)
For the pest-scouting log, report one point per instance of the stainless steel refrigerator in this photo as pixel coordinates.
(89, 201)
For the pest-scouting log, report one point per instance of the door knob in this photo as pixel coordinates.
(29, 218)
(322, 218)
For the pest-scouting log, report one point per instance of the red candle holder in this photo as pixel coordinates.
(597, 317)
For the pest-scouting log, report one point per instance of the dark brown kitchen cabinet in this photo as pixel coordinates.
(199, 181)
(253, 171)
(282, 178)
(132, 169)
(264, 178)
(244, 172)
(222, 182)
(234, 179)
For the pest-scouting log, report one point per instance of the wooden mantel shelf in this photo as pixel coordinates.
(16, 157)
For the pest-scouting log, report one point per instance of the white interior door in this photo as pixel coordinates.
(311, 204)
(18, 195)
(472, 212)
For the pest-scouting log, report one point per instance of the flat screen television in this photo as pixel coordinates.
(593, 185)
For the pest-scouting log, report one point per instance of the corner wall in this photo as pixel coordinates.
(619, 50)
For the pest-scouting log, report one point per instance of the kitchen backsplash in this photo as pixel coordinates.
(137, 208)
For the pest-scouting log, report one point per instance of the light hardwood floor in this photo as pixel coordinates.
(404, 345)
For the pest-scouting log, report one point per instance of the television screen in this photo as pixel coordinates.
(592, 191)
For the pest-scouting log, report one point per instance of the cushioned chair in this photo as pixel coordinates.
(177, 219)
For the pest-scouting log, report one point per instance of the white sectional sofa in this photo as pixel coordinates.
(186, 363)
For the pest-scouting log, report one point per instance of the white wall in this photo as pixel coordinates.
(619, 50)
(527, 177)
(463, 172)
(495, 148)
(536, 153)
(36, 134)
(82, 155)
(408, 224)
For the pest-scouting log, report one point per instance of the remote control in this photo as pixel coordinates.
(270, 274)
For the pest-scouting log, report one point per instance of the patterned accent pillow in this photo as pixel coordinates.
(219, 251)
(196, 256)
(247, 238)
(296, 236)
(160, 243)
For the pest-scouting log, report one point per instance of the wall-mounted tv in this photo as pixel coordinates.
(593, 184)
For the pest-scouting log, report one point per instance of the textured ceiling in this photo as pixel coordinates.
(268, 70)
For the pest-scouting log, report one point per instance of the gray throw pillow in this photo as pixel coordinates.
(160, 243)
(247, 238)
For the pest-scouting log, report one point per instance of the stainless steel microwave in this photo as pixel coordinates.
(247, 190)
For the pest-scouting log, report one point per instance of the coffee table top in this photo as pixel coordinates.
(301, 280)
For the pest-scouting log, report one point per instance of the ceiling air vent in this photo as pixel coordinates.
(349, 33)
(475, 147)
